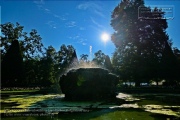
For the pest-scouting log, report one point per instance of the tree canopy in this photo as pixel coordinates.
(23, 55)
(30, 44)
(141, 44)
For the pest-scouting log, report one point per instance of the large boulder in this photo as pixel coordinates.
(88, 84)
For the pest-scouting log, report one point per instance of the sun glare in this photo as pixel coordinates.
(105, 37)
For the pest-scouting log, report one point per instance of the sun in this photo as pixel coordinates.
(105, 37)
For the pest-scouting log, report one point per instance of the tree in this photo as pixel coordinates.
(31, 45)
(9, 34)
(107, 63)
(176, 52)
(169, 66)
(48, 69)
(40, 68)
(84, 58)
(125, 23)
(31, 48)
(32, 72)
(140, 42)
(12, 66)
(74, 60)
(65, 57)
(99, 58)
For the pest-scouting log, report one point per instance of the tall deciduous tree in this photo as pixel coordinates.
(99, 58)
(48, 68)
(9, 34)
(65, 57)
(140, 42)
(32, 45)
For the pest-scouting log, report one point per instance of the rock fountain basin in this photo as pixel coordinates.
(89, 84)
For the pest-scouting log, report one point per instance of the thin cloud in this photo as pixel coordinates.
(47, 10)
(39, 2)
(93, 7)
(99, 13)
(96, 23)
(51, 24)
(89, 5)
(82, 41)
(71, 24)
(96, 28)
(63, 18)
(40, 5)
(74, 37)
(78, 39)
(84, 6)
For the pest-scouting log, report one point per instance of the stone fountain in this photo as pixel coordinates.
(88, 84)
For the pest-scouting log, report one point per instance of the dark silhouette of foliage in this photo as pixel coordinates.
(12, 66)
(99, 58)
(84, 58)
(169, 66)
(31, 45)
(9, 34)
(107, 63)
(74, 60)
(65, 58)
(142, 44)
(47, 65)
(32, 72)
(31, 49)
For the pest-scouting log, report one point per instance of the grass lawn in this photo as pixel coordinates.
(126, 106)
(19, 91)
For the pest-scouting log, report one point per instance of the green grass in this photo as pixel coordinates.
(18, 91)
(25, 101)
(148, 102)
(125, 114)
(150, 107)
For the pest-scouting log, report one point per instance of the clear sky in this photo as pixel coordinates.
(79, 23)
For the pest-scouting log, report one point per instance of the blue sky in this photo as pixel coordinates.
(79, 23)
